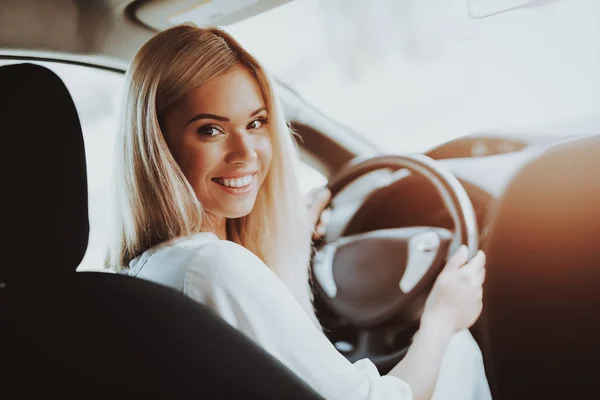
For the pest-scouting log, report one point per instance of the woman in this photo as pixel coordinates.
(208, 204)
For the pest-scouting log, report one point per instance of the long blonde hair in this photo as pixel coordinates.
(155, 202)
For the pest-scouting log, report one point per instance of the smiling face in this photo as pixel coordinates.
(219, 135)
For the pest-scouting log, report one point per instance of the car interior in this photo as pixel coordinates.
(529, 198)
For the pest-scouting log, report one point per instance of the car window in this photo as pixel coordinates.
(97, 94)
(410, 75)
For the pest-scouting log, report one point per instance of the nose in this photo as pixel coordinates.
(241, 149)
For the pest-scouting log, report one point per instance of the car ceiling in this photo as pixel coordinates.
(108, 33)
(97, 28)
(91, 31)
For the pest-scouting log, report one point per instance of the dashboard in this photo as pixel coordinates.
(483, 164)
(386, 198)
(477, 146)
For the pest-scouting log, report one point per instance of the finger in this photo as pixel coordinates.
(458, 258)
(318, 234)
(481, 275)
(320, 230)
(476, 264)
(477, 278)
(325, 217)
(480, 295)
(321, 200)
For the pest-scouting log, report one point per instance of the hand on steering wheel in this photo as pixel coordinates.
(456, 299)
(318, 198)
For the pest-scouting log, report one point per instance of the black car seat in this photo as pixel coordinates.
(542, 291)
(92, 334)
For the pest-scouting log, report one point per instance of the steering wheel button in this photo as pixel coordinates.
(323, 270)
(422, 250)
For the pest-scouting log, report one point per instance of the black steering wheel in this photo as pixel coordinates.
(379, 280)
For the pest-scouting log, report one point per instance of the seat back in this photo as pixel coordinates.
(90, 334)
(542, 291)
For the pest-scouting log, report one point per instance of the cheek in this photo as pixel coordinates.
(196, 162)
(264, 150)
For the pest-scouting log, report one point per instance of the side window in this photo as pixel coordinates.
(97, 95)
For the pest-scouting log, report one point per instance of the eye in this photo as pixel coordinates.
(257, 123)
(209, 130)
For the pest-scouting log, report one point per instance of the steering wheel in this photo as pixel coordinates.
(378, 280)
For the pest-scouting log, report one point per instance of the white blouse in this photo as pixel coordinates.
(240, 288)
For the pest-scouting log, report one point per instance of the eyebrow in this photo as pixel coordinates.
(220, 118)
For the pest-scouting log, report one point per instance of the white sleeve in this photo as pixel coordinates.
(245, 292)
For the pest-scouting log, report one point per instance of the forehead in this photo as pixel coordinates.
(234, 93)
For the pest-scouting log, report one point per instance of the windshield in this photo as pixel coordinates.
(409, 75)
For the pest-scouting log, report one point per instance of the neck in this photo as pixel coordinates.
(219, 226)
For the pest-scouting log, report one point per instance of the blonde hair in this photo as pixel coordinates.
(155, 202)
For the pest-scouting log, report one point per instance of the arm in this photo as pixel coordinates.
(454, 304)
(244, 292)
(421, 365)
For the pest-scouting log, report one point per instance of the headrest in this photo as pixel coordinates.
(44, 175)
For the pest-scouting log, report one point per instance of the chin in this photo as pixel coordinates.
(238, 211)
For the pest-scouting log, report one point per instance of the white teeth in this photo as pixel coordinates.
(236, 182)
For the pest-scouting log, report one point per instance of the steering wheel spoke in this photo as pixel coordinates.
(371, 277)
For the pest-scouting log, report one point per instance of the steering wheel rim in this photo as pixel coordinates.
(446, 184)
(457, 203)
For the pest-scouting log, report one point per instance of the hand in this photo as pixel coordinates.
(318, 198)
(456, 299)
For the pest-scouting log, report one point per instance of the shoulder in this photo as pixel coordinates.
(201, 265)
(225, 262)
(169, 262)
(234, 282)
(182, 247)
